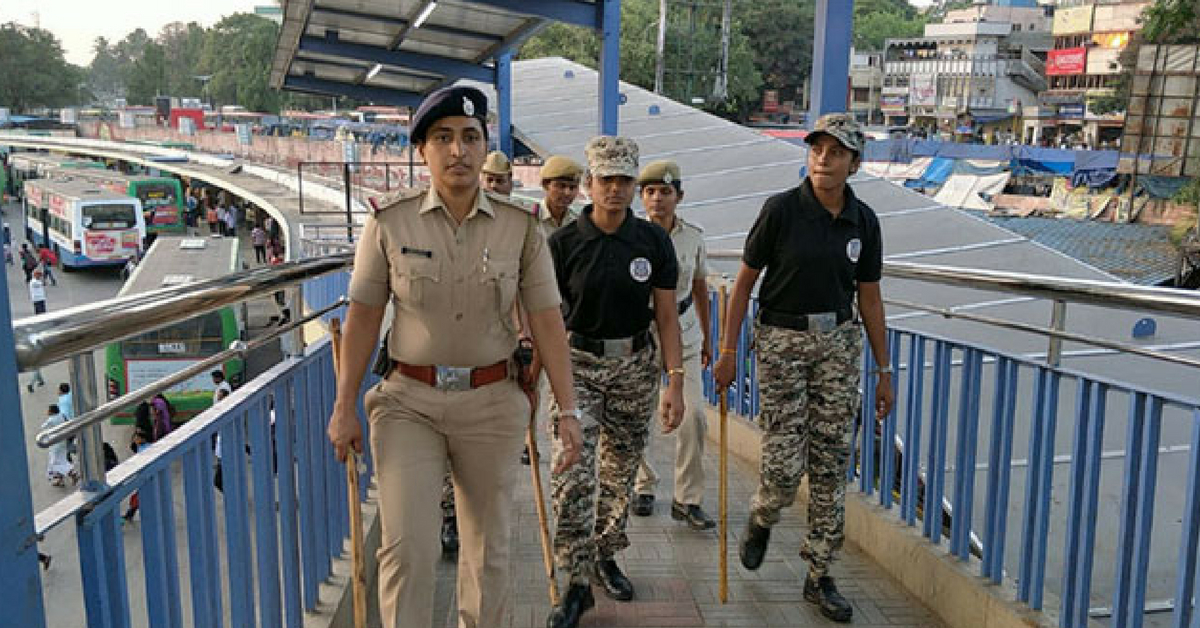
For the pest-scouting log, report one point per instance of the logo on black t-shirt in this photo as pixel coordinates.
(639, 269)
(854, 249)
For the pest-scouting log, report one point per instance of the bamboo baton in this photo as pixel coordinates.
(724, 468)
(359, 573)
(543, 517)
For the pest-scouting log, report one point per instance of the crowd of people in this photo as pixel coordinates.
(588, 320)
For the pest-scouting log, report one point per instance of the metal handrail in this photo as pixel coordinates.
(48, 338)
(1091, 292)
(237, 349)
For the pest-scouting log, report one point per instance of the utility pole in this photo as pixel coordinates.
(661, 60)
(721, 84)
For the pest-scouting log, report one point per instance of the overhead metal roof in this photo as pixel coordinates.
(332, 47)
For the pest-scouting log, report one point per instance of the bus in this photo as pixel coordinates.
(82, 224)
(161, 197)
(25, 166)
(135, 362)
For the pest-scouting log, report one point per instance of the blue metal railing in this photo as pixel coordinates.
(920, 446)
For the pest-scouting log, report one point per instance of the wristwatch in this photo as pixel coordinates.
(575, 414)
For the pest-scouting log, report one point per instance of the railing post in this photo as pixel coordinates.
(295, 301)
(300, 184)
(349, 208)
(1058, 322)
(84, 398)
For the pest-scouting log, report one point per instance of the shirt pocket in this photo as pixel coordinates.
(414, 279)
(500, 279)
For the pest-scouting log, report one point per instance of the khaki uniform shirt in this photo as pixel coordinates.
(549, 224)
(453, 286)
(688, 240)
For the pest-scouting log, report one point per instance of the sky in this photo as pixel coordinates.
(77, 23)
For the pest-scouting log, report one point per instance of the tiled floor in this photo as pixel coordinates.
(676, 575)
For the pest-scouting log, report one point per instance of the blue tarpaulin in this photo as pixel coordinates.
(1034, 160)
(1161, 187)
(1095, 168)
(936, 174)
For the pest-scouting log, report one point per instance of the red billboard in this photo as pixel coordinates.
(1066, 61)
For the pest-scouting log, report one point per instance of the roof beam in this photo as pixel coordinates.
(399, 21)
(568, 11)
(315, 85)
(357, 67)
(399, 58)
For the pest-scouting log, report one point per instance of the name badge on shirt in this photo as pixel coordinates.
(639, 269)
(854, 249)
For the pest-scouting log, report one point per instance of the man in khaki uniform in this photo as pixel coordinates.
(560, 181)
(452, 260)
(497, 173)
(662, 191)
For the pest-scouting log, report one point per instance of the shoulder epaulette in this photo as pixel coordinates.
(391, 199)
(688, 224)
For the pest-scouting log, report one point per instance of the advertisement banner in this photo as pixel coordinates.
(893, 102)
(923, 90)
(143, 372)
(100, 245)
(1073, 20)
(1066, 61)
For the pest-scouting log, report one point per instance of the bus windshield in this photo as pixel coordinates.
(155, 194)
(109, 216)
(198, 337)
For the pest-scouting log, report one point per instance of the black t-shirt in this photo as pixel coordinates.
(813, 260)
(607, 280)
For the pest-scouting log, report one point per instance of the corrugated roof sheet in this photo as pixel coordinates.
(1137, 253)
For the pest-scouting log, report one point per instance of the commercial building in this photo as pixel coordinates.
(977, 67)
(866, 85)
(1084, 64)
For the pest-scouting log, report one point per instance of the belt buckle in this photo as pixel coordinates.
(454, 378)
(618, 347)
(823, 322)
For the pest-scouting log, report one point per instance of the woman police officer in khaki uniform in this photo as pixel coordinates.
(453, 260)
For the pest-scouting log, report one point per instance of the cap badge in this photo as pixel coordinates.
(639, 269)
(667, 178)
(468, 107)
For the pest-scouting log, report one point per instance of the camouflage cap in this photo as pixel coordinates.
(662, 171)
(841, 126)
(561, 167)
(497, 163)
(612, 156)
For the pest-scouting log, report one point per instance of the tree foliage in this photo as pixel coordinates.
(34, 72)
(237, 54)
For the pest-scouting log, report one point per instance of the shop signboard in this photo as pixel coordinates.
(923, 90)
(893, 102)
(1066, 61)
(1070, 111)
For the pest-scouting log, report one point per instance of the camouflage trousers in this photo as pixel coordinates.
(447, 496)
(617, 398)
(808, 387)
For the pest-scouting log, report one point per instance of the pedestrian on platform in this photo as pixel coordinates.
(662, 190)
(139, 444)
(497, 174)
(231, 220)
(453, 261)
(162, 414)
(47, 260)
(617, 275)
(37, 296)
(212, 216)
(258, 237)
(821, 247)
(58, 463)
(29, 261)
(223, 220)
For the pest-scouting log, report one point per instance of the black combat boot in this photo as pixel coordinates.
(754, 545)
(608, 575)
(693, 515)
(823, 592)
(449, 535)
(566, 615)
(643, 505)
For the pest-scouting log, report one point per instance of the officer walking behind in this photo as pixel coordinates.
(497, 174)
(452, 260)
(821, 246)
(560, 182)
(610, 265)
(662, 190)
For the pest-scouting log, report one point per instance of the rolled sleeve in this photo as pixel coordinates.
(760, 243)
(701, 262)
(538, 286)
(870, 266)
(369, 281)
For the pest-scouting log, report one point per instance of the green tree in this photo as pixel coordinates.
(34, 71)
(875, 22)
(781, 37)
(148, 76)
(183, 45)
(106, 75)
(238, 52)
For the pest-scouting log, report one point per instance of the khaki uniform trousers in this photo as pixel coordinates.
(689, 439)
(416, 432)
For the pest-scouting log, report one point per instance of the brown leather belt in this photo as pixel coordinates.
(453, 377)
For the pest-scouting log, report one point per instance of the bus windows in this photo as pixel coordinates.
(109, 216)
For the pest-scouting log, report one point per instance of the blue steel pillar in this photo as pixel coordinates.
(831, 57)
(504, 100)
(20, 586)
(610, 65)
